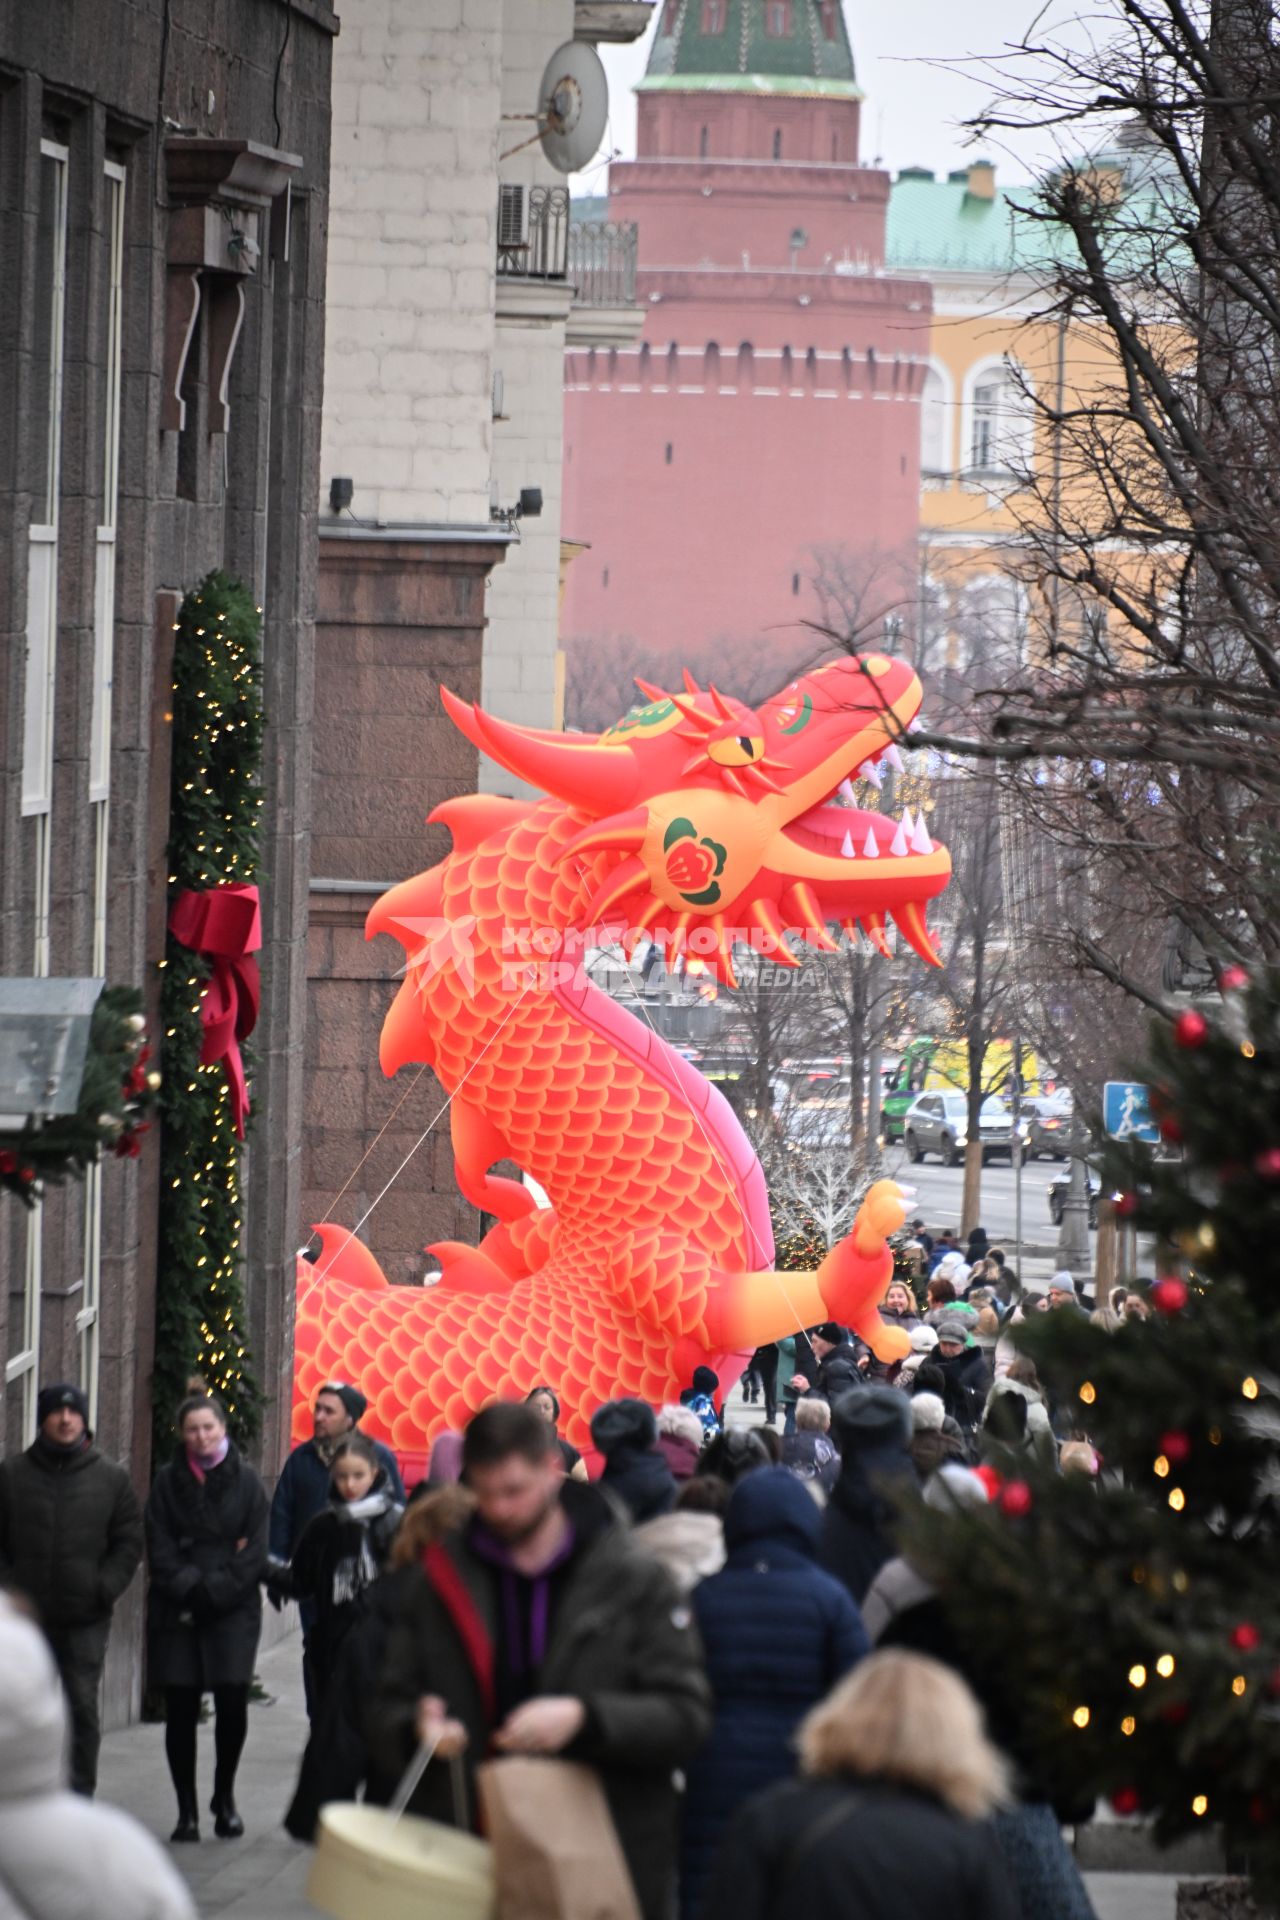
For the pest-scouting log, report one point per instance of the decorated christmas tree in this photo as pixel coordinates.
(1134, 1614)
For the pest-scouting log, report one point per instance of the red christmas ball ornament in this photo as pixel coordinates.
(1233, 980)
(1175, 1446)
(990, 1479)
(1125, 1205)
(1169, 1295)
(1191, 1029)
(1126, 1800)
(1268, 1163)
(1245, 1638)
(1015, 1499)
(26, 1175)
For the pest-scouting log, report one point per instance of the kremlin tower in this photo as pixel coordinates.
(770, 414)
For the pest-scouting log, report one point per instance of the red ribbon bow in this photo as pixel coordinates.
(224, 926)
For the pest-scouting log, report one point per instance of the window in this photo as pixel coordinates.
(715, 15)
(935, 452)
(828, 14)
(46, 418)
(1001, 422)
(670, 16)
(777, 19)
(777, 143)
(667, 453)
(702, 144)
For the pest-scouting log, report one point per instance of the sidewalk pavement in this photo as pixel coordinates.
(263, 1876)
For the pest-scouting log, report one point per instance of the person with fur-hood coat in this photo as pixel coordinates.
(63, 1855)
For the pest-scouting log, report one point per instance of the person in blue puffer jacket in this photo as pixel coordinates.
(778, 1633)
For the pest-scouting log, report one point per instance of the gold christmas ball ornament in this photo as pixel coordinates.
(155, 1082)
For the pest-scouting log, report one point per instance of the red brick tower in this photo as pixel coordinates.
(771, 411)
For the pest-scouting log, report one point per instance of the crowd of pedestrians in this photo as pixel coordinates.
(720, 1620)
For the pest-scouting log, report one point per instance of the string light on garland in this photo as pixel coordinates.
(214, 839)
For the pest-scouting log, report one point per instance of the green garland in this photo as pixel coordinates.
(213, 837)
(117, 1095)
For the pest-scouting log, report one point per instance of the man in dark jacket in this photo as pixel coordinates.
(840, 1367)
(540, 1628)
(965, 1369)
(303, 1490)
(872, 1429)
(70, 1540)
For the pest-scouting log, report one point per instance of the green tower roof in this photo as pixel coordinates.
(797, 47)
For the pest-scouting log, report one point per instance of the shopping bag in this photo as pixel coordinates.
(384, 1862)
(556, 1853)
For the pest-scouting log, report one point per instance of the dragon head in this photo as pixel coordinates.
(709, 822)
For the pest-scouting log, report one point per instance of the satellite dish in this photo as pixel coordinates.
(573, 105)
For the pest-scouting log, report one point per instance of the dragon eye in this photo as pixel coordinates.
(737, 751)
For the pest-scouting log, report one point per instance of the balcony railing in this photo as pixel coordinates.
(602, 262)
(533, 232)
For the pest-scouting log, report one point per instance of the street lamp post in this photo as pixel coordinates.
(1073, 1234)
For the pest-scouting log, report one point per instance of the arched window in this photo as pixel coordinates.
(935, 423)
(777, 143)
(777, 19)
(702, 144)
(827, 11)
(1001, 420)
(670, 16)
(715, 15)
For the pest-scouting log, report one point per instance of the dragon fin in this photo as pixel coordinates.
(473, 817)
(343, 1257)
(465, 1269)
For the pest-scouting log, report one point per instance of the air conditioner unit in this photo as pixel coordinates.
(513, 217)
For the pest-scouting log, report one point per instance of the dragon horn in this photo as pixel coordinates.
(620, 831)
(801, 901)
(627, 878)
(690, 684)
(874, 925)
(648, 689)
(719, 702)
(910, 919)
(763, 914)
(707, 721)
(724, 953)
(582, 773)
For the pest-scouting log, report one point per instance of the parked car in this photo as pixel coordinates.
(1057, 1192)
(939, 1123)
(1048, 1126)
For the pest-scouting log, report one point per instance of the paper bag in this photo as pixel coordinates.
(555, 1849)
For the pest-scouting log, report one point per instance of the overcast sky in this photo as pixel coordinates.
(914, 104)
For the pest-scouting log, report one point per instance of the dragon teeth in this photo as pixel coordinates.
(872, 773)
(870, 849)
(920, 841)
(894, 758)
(899, 847)
(846, 846)
(845, 790)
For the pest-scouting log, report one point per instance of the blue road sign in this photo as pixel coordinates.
(1126, 1111)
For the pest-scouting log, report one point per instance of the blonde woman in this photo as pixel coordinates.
(888, 1820)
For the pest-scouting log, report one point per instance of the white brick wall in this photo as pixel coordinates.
(410, 325)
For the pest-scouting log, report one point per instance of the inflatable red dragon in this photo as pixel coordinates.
(697, 822)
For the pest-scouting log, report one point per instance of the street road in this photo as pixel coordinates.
(939, 1191)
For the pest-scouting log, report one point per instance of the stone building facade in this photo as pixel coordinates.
(163, 217)
(443, 385)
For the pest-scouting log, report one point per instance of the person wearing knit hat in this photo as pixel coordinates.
(71, 1541)
(635, 1472)
(872, 1428)
(302, 1491)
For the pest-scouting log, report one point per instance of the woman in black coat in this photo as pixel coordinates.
(888, 1821)
(206, 1523)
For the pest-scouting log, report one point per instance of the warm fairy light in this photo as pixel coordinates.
(1200, 1805)
(1177, 1499)
(1080, 1718)
(1248, 1049)
(1239, 1684)
(1088, 1393)
(1160, 1465)
(1249, 1388)
(1165, 1665)
(1137, 1676)
(1128, 1725)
